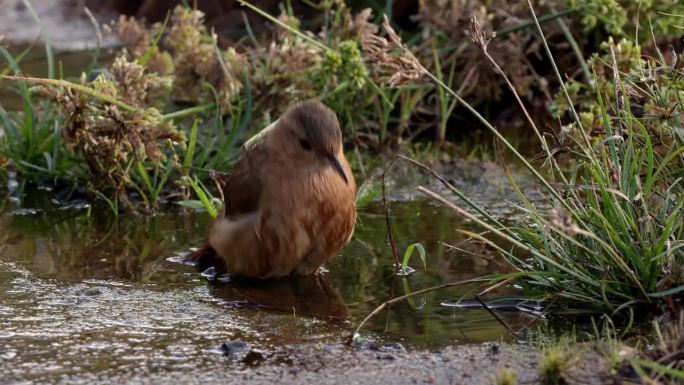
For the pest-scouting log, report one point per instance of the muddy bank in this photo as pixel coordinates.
(464, 365)
(337, 365)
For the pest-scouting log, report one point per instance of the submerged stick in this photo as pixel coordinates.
(392, 301)
(477, 297)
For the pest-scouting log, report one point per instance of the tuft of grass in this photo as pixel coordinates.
(554, 364)
(31, 142)
(505, 376)
(653, 356)
(614, 236)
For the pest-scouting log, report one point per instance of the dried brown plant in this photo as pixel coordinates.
(188, 52)
(448, 22)
(197, 60)
(387, 56)
(564, 223)
(109, 137)
(281, 72)
(133, 33)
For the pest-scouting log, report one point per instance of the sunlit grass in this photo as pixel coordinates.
(614, 240)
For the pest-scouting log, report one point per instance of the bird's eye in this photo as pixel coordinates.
(305, 144)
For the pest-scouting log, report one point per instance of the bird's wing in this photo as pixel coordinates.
(242, 187)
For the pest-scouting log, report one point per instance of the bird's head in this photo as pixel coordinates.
(312, 132)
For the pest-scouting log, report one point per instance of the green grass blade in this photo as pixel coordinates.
(409, 252)
(190, 152)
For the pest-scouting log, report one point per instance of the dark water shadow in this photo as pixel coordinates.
(309, 295)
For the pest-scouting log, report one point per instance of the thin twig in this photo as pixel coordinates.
(188, 111)
(446, 184)
(485, 291)
(77, 87)
(481, 41)
(472, 217)
(390, 237)
(477, 297)
(98, 35)
(619, 101)
(575, 115)
(454, 190)
(392, 301)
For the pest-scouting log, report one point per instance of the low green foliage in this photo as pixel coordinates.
(621, 18)
(614, 236)
(653, 356)
(659, 358)
(206, 200)
(118, 134)
(619, 238)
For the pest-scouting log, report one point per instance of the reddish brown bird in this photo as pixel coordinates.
(289, 201)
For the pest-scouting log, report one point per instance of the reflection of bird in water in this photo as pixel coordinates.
(310, 295)
(289, 201)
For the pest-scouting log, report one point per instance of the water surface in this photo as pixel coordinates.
(83, 292)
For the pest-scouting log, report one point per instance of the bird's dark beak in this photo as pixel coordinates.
(338, 167)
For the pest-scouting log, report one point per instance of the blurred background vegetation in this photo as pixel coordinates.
(193, 81)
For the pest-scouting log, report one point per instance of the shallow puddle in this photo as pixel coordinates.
(82, 292)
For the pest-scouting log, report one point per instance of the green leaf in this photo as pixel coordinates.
(657, 367)
(409, 252)
(665, 293)
(202, 195)
(190, 152)
(192, 204)
(143, 175)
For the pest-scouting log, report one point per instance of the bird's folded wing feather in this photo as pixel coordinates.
(242, 187)
(241, 190)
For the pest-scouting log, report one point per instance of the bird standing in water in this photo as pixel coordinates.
(289, 201)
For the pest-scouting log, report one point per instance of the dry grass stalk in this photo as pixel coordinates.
(388, 56)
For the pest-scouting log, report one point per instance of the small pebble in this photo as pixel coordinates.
(232, 348)
(209, 273)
